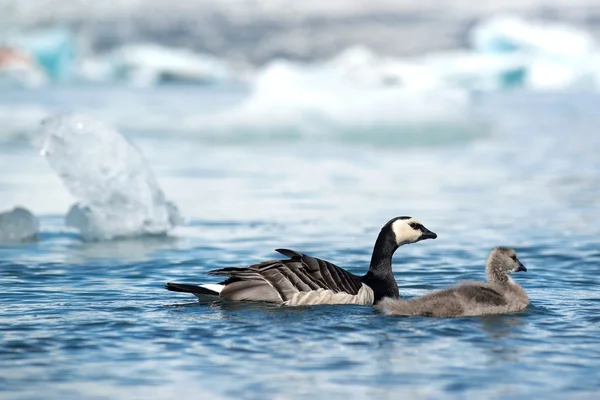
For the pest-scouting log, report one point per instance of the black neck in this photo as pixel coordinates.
(380, 276)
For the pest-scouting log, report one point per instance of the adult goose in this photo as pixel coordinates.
(306, 280)
(499, 295)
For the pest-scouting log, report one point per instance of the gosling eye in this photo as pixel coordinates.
(514, 257)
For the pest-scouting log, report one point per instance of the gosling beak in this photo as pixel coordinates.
(427, 234)
(521, 268)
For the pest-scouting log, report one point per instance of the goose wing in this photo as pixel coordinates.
(283, 280)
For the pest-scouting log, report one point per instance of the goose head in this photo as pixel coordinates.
(407, 230)
(395, 233)
(503, 261)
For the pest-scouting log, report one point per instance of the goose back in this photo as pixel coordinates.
(300, 280)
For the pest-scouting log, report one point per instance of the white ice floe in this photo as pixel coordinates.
(54, 50)
(505, 33)
(361, 65)
(434, 71)
(474, 71)
(18, 68)
(150, 64)
(581, 74)
(557, 56)
(117, 193)
(316, 102)
(506, 52)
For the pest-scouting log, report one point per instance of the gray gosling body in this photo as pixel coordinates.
(305, 280)
(499, 295)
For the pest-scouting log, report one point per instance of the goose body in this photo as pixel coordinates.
(497, 296)
(306, 280)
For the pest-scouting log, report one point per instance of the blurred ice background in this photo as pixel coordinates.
(377, 73)
(459, 43)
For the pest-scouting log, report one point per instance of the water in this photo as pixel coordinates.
(92, 320)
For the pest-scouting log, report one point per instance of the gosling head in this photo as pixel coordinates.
(408, 230)
(502, 262)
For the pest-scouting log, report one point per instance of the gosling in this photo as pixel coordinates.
(499, 295)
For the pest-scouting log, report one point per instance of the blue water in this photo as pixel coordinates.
(92, 320)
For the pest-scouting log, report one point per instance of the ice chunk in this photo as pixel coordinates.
(149, 64)
(320, 92)
(476, 71)
(502, 34)
(432, 71)
(357, 63)
(579, 73)
(18, 225)
(361, 65)
(292, 101)
(117, 192)
(19, 69)
(54, 49)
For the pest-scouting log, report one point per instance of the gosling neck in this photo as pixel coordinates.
(496, 274)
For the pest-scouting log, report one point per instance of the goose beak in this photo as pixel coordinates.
(427, 234)
(521, 268)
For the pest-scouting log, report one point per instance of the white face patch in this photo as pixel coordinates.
(405, 234)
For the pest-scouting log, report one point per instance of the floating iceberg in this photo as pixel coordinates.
(361, 65)
(117, 192)
(581, 74)
(19, 69)
(18, 225)
(557, 56)
(434, 71)
(54, 50)
(505, 34)
(292, 101)
(474, 71)
(150, 64)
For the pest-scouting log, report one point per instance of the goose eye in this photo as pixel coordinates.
(514, 257)
(417, 227)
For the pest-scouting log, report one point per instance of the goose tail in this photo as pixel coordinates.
(200, 291)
